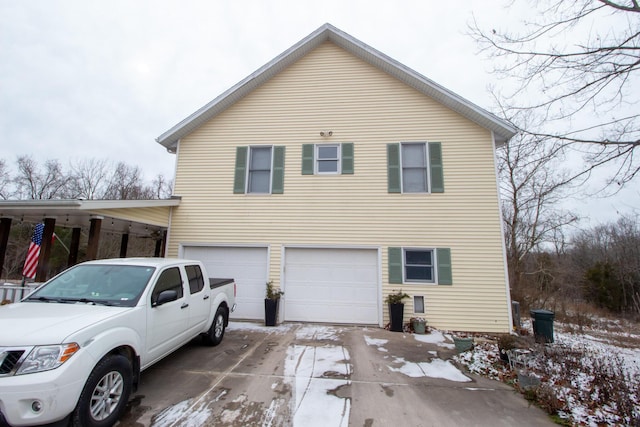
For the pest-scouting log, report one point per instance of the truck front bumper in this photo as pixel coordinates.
(44, 397)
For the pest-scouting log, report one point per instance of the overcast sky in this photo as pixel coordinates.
(86, 79)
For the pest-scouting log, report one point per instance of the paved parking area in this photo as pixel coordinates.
(318, 375)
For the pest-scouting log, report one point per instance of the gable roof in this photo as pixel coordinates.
(502, 130)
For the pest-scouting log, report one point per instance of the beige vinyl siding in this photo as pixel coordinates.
(154, 216)
(331, 90)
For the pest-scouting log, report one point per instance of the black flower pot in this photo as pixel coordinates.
(396, 313)
(270, 311)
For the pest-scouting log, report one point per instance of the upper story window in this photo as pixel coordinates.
(259, 170)
(328, 158)
(415, 167)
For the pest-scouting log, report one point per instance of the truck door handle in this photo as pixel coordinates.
(185, 305)
(206, 297)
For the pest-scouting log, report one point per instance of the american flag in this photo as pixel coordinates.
(31, 263)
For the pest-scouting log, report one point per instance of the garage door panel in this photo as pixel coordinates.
(248, 266)
(331, 285)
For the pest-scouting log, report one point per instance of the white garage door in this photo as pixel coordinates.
(331, 285)
(248, 266)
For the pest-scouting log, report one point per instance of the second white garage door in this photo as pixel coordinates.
(331, 285)
(248, 266)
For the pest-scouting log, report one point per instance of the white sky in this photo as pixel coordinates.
(92, 79)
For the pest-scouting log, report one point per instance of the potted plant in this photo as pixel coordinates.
(419, 325)
(271, 304)
(396, 309)
(506, 342)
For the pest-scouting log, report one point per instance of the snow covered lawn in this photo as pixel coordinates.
(588, 376)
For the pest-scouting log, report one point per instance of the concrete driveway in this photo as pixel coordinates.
(313, 375)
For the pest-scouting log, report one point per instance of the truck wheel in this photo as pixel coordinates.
(216, 331)
(105, 394)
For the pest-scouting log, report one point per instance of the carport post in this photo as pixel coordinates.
(5, 228)
(45, 249)
(94, 237)
(123, 245)
(75, 247)
(160, 243)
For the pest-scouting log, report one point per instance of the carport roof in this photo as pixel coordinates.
(502, 130)
(136, 217)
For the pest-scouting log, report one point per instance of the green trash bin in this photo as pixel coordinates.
(543, 325)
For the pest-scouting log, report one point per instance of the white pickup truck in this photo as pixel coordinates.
(73, 350)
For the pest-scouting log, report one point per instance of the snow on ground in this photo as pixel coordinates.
(316, 375)
(437, 368)
(259, 327)
(578, 373)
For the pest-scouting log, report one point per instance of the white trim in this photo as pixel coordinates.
(504, 245)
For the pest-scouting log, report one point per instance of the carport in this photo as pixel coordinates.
(148, 218)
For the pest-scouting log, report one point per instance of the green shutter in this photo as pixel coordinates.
(395, 265)
(393, 168)
(435, 160)
(277, 183)
(241, 170)
(444, 266)
(307, 159)
(347, 158)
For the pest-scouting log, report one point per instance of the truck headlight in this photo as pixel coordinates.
(47, 357)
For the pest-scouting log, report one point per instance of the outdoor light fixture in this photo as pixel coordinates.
(326, 132)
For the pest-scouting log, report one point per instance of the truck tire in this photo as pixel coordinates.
(216, 332)
(105, 394)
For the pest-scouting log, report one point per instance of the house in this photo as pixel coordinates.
(342, 175)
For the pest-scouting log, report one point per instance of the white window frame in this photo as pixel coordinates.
(317, 159)
(427, 167)
(248, 177)
(434, 266)
(419, 298)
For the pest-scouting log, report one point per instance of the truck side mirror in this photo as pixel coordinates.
(165, 297)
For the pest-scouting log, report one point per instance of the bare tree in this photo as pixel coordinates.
(90, 178)
(532, 185)
(576, 64)
(35, 183)
(161, 187)
(5, 181)
(125, 183)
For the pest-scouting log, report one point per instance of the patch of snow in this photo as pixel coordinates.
(435, 337)
(197, 416)
(378, 342)
(258, 327)
(316, 332)
(315, 377)
(437, 368)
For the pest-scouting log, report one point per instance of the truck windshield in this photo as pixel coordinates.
(118, 285)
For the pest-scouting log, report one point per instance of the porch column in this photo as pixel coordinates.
(75, 247)
(5, 228)
(94, 237)
(124, 242)
(45, 249)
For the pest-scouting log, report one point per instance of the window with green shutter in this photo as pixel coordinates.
(420, 265)
(259, 169)
(327, 159)
(415, 167)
